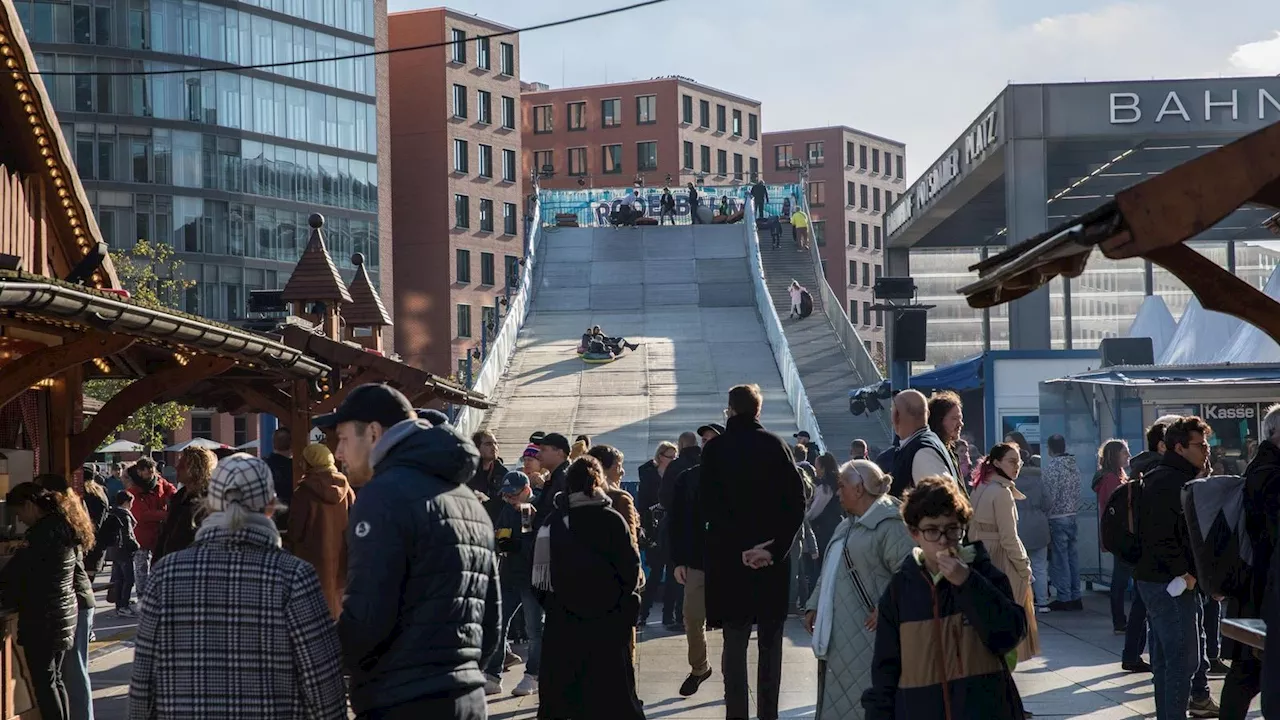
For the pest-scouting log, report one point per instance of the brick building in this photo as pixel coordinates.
(456, 217)
(668, 130)
(853, 178)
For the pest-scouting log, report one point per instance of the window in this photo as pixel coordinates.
(866, 274)
(542, 161)
(879, 323)
(647, 156)
(542, 119)
(817, 194)
(508, 166)
(611, 112)
(482, 53)
(577, 161)
(866, 232)
(463, 259)
(460, 101)
(852, 234)
(201, 426)
(853, 273)
(704, 114)
(705, 153)
(877, 274)
(240, 430)
(866, 314)
(888, 197)
(646, 109)
(509, 227)
(875, 199)
(486, 265)
(686, 109)
(863, 197)
(486, 161)
(782, 156)
(898, 171)
(141, 151)
(488, 320)
(737, 123)
(484, 104)
(507, 59)
(816, 153)
(875, 160)
(458, 40)
(850, 154)
(877, 246)
(508, 113)
(106, 159)
(460, 156)
(722, 163)
(577, 112)
(888, 164)
(511, 263)
(464, 320)
(753, 126)
(688, 156)
(862, 157)
(462, 209)
(851, 193)
(755, 168)
(720, 118)
(612, 159)
(853, 310)
(737, 166)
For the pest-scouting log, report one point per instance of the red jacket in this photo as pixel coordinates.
(1107, 486)
(150, 509)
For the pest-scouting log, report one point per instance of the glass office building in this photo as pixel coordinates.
(224, 166)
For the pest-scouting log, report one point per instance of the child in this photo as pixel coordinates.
(117, 537)
(515, 541)
(775, 231)
(796, 292)
(947, 607)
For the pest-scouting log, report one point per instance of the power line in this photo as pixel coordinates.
(373, 53)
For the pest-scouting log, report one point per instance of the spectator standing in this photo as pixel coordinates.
(1113, 458)
(1033, 528)
(489, 475)
(688, 549)
(118, 539)
(693, 205)
(811, 450)
(515, 539)
(946, 420)
(688, 456)
(920, 452)
(318, 522)
(1024, 448)
(657, 556)
(265, 645)
(753, 502)
(858, 450)
(421, 612)
(553, 456)
(187, 508)
(800, 224)
(667, 206)
(1062, 482)
(824, 512)
(151, 495)
(775, 232)
(115, 483)
(760, 197)
(281, 463)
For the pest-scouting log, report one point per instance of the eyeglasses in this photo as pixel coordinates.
(669, 457)
(934, 534)
(1202, 444)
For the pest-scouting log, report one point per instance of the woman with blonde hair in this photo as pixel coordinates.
(186, 509)
(318, 521)
(655, 552)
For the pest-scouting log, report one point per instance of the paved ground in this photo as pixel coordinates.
(1078, 676)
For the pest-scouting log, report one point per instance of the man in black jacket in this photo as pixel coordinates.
(760, 195)
(688, 541)
(752, 498)
(422, 610)
(672, 596)
(920, 452)
(1164, 575)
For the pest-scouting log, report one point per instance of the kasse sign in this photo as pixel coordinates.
(962, 156)
(1230, 412)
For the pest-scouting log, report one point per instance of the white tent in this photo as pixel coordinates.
(122, 446)
(1250, 344)
(1200, 336)
(197, 442)
(251, 445)
(1154, 321)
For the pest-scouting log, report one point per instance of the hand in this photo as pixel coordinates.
(681, 573)
(1191, 581)
(872, 620)
(953, 568)
(809, 617)
(814, 554)
(758, 557)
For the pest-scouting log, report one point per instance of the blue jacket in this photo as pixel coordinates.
(421, 611)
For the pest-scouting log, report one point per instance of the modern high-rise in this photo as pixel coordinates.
(669, 131)
(853, 177)
(225, 165)
(458, 208)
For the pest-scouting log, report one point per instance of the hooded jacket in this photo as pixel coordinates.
(186, 512)
(318, 530)
(40, 582)
(422, 610)
(1061, 478)
(1143, 463)
(151, 508)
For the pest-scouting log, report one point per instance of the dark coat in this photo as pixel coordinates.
(751, 492)
(688, 527)
(1262, 521)
(186, 512)
(688, 457)
(40, 582)
(647, 495)
(1166, 542)
(1143, 463)
(926, 626)
(489, 482)
(422, 607)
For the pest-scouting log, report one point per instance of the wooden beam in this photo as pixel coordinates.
(300, 425)
(29, 369)
(335, 399)
(1219, 290)
(62, 420)
(168, 380)
(270, 401)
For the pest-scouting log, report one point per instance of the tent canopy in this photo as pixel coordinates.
(961, 375)
(198, 442)
(1154, 321)
(122, 446)
(1250, 344)
(1200, 336)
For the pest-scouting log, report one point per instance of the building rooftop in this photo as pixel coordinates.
(461, 15)
(845, 128)
(669, 78)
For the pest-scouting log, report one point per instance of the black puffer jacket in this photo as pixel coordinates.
(186, 512)
(421, 611)
(40, 582)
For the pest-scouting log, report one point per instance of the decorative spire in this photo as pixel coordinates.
(366, 308)
(315, 278)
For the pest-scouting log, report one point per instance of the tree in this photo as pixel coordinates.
(153, 276)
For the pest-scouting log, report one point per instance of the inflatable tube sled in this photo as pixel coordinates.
(597, 358)
(806, 304)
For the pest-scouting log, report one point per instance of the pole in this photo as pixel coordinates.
(484, 340)
(267, 425)
(468, 369)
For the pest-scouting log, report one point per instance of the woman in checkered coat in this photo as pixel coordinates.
(234, 628)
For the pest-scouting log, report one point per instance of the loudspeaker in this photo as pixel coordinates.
(1126, 351)
(909, 335)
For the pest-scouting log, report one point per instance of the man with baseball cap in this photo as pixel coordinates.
(514, 529)
(422, 612)
(811, 449)
(553, 456)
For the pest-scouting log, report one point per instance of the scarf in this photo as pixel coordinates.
(255, 527)
(827, 588)
(564, 502)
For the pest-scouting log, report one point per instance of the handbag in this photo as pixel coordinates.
(857, 581)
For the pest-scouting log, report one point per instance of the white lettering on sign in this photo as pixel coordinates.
(1126, 107)
(1122, 103)
(1229, 412)
(898, 216)
(1175, 101)
(979, 138)
(942, 175)
(1210, 104)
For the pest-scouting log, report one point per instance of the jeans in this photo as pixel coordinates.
(122, 577)
(693, 214)
(1212, 628)
(1064, 569)
(1175, 647)
(666, 213)
(46, 679)
(1135, 626)
(512, 599)
(1040, 575)
(733, 663)
(75, 669)
(1241, 686)
(1200, 680)
(759, 209)
(141, 571)
(1120, 576)
(695, 619)
(461, 705)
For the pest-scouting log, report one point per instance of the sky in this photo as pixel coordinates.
(917, 72)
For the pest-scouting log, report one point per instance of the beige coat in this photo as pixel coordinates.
(995, 524)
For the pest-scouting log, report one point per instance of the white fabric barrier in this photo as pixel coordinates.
(805, 419)
(503, 345)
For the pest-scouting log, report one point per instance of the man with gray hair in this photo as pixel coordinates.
(920, 452)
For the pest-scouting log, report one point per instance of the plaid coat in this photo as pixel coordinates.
(234, 628)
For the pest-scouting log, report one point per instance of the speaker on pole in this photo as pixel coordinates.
(909, 335)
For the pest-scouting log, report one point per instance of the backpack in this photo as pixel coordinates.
(1214, 509)
(1119, 525)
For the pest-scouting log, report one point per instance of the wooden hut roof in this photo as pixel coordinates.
(366, 309)
(315, 277)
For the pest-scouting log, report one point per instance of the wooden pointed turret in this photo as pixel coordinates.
(366, 316)
(315, 289)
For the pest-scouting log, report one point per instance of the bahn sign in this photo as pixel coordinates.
(982, 136)
(1232, 105)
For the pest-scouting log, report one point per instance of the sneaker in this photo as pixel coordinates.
(126, 612)
(1137, 666)
(511, 660)
(528, 686)
(1119, 630)
(674, 626)
(492, 685)
(1043, 609)
(692, 683)
(1203, 707)
(1217, 667)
